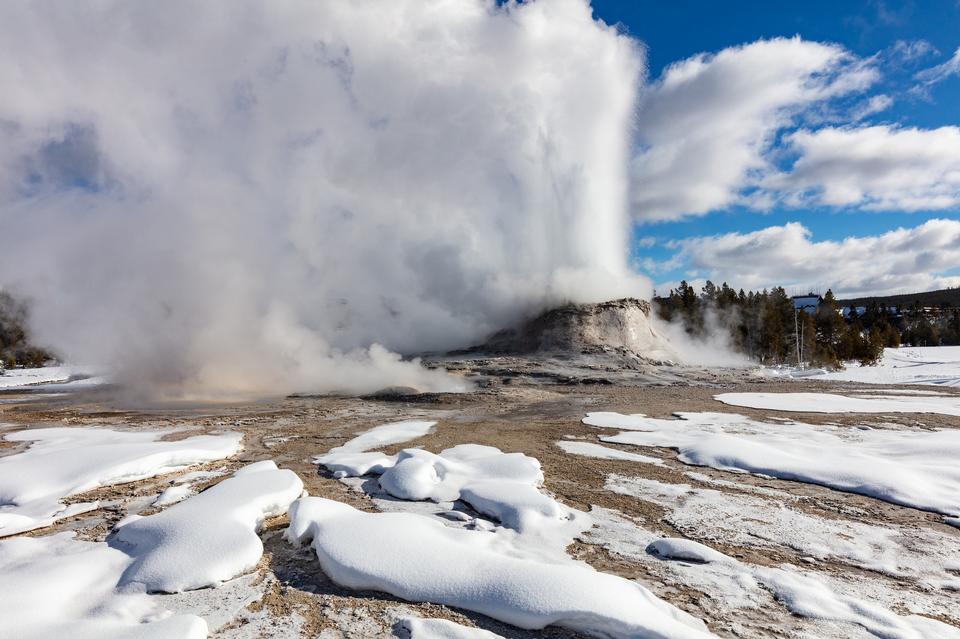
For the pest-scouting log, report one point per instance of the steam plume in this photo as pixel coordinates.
(246, 197)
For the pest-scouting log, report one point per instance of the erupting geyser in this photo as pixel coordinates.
(239, 199)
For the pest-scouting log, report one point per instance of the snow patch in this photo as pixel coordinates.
(812, 597)
(210, 537)
(832, 403)
(420, 559)
(501, 485)
(57, 586)
(423, 549)
(589, 449)
(733, 585)
(418, 628)
(172, 495)
(915, 468)
(685, 550)
(27, 377)
(352, 458)
(752, 521)
(504, 486)
(385, 435)
(62, 462)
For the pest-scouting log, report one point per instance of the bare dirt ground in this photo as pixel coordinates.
(520, 406)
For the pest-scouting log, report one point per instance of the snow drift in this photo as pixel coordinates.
(59, 586)
(427, 561)
(210, 537)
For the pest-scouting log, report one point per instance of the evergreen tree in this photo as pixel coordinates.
(830, 330)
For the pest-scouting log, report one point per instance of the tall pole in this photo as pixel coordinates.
(796, 332)
(801, 346)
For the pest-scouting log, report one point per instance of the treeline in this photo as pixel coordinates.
(15, 346)
(765, 326)
(943, 298)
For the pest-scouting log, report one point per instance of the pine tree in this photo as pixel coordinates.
(830, 330)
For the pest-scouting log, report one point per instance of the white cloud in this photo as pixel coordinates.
(910, 50)
(939, 73)
(705, 127)
(874, 168)
(903, 260)
(713, 132)
(872, 105)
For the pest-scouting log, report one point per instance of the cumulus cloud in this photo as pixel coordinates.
(706, 125)
(235, 198)
(716, 131)
(903, 260)
(877, 167)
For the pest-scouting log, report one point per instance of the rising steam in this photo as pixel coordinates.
(251, 198)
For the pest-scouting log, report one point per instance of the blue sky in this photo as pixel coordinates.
(898, 40)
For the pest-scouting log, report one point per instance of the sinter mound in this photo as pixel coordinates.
(621, 326)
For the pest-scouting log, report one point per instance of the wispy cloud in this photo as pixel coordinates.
(871, 106)
(934, 75)
(912, 50)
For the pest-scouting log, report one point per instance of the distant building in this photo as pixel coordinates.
(806, 303)
(846, 311)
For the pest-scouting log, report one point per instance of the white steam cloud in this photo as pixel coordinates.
(246, 197)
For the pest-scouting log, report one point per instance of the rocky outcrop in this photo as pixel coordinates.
(617, 326)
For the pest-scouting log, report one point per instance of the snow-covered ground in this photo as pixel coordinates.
(59, 375)
(425, 560)
(775, 519)
(934, 365)
(353, 459)
(516, 572)
(834, 607)
(57, 585)
(905, 466)
(473, 528)
(888, 402)
(61, 462)
(490, 569)
(208, 538)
